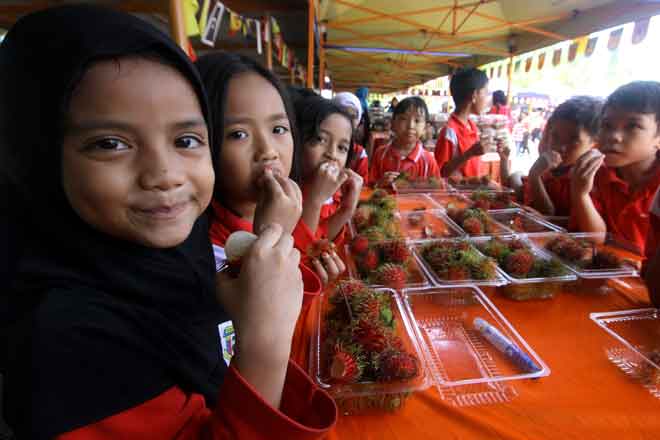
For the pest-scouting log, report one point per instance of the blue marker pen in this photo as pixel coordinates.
(507, 347)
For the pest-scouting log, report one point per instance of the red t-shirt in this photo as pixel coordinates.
(306, 412)
(653, 239)
(558, 189)
(360, 162)
(625, 212)
(419, 163)
(224, 222)
(456, 138)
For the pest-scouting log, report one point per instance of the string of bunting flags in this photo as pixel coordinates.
(206, 22)
(583, 46)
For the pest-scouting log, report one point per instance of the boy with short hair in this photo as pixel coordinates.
(458, 148)
(571, 131)
(624, 188)
(405, 153)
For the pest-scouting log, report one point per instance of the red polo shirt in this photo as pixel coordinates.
(360, 162)
(653, 239)
(419, 163)
(456, 138)
(625, 212)
(558, 189)
(224, 222)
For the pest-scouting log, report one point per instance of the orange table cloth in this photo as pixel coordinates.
(585, 397)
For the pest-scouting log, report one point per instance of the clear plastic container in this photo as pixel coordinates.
(495, 200)
(415, 275)
(418, 247)
(368, 396)
(466, 366)
(450, 200)
(522, 288)
(414, 202)
(492, 227)
(637, 352)
(594, 244)
(521, 221)
(427, 224)
(426, 185)
(477, 184)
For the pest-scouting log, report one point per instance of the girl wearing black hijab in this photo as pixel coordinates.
(111, 326)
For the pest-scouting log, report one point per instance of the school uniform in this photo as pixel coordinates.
(224, 223)
(419, 163)
(558, 189)
(625, 212)
(360, 162)
(454, 139)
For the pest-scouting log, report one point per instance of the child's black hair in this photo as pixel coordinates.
(464, 83)
(298, 92)
(584, 111)
(499, 97)
(412, 102)
(638, 97)
(217, 70)
(310, 114)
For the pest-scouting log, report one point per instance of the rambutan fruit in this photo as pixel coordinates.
(519, 263)
(391, 275)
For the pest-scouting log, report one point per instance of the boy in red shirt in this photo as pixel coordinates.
(625, 186)
(405, 154)
(571, 131)
(458, 149)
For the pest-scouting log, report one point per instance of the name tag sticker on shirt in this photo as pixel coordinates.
(227, 340)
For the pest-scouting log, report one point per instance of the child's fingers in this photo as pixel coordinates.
(330, 266)
(272, 185)
(268, 237)
(289, 188)
(320, 271)
(341, 267)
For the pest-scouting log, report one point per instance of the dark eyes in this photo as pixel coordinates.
(188, 142)
(108, 144)
(280, 129)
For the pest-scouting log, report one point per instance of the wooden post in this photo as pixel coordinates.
(292, 74)
(269, 44)
(510, 73)
(321, 64)
(310, 43)
(177, 25)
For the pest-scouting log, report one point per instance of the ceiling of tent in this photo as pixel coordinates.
(389, 45)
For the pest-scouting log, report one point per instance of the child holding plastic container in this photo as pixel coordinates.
(359, 161)
(331, 190)
(405, 153)
(571, 131)
(612, 187)
(458, 149)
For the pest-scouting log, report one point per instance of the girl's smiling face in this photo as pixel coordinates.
(136, 163)
(257, 136)
(331, 145)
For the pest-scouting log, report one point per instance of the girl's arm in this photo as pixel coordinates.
(326, 182)
(349, 202)
(541, 200)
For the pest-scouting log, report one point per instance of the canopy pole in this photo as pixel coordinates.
(321, 65)
(269, 44)
(177, 26)
(510, 73)
(310, 43)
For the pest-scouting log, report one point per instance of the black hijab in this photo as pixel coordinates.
(92, 325)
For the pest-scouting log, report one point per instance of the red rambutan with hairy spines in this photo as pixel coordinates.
(370, 261)
(392, 275)
(360, 244)
(345, 366)
(473, 226)
(370, 335)
(455, 273)
(395, 251)
(349, 287)
(519, 263)
(397, 365)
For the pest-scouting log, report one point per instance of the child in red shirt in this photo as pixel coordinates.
(624, 187)
(571, 131)
(652, 267)
(359, 161)
(458, 149)
(405, 154)
(331, 191)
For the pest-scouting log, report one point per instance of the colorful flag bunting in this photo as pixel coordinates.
(640, 30)
(235, 23)
(213, 24)
(615, 39)
(541, 60)
(190, 8)
(556, 57)
(591, 46)
(528, 64)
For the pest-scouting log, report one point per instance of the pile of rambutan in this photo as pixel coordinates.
(474, 221)
(360, 340)
(406, 181)
(388, 263)
(374, 218)
(492, 200)
(583, 253)
(458, 261)
(518, 259)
